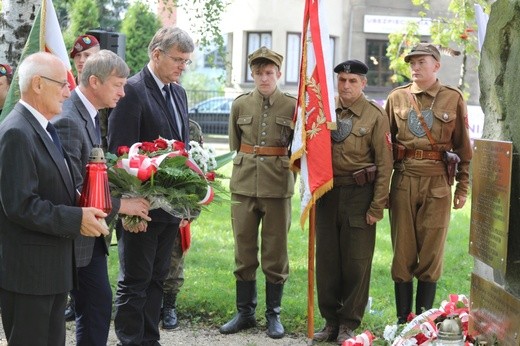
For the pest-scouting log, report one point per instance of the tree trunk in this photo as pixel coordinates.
(16, 20)
(499, 75)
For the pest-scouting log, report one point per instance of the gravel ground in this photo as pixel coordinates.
(191, 335)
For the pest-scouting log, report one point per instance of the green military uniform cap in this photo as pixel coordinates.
(266, 53)
(423, 49)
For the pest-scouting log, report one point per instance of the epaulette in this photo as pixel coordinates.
(291, 96)
(376, 105)
(239, 96)
(455, 88)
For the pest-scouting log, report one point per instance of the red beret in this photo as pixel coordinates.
(5, 70)
(82, 43)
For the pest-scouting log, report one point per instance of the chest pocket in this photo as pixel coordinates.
(401, 120)
(284, 131)
(361, 135)
(444, 123)
(245, 120)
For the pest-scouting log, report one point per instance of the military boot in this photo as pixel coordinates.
(246, 305)
(273, 302)
(169, 314)
(425, 296)
(403, 300)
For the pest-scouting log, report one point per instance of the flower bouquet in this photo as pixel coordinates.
(163, 172)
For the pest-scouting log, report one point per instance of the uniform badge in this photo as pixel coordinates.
(343, 130)
(414, 124)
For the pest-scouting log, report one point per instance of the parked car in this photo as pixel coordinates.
(212, 114)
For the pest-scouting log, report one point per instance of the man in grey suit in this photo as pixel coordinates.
(38, 219)
(101, 86)
(154, 105)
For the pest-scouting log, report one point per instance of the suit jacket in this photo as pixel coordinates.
(142, 115)
(37, 219)
(78, 136)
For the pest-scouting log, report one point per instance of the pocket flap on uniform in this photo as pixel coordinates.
(284, 122)
(244, 120)
(445, 115)
(238, 160)
(357, 221)
(440, 192)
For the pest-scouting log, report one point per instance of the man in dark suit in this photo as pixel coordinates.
(38, 219)
(154, 105)
(101, 85)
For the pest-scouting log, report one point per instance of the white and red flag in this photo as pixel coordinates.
(315, 115)
(45, 36)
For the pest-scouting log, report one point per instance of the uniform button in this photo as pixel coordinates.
(263, 133)
(261, 159)
(265, 107)
(265, 115)
(262, 143)
(445, 116)
(263, 124)
(363, 131)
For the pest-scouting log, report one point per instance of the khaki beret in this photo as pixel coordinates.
(423, 49)
(82, 43)
(352, 66)
(265, 53)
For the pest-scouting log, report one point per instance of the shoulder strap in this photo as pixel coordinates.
(421, 119)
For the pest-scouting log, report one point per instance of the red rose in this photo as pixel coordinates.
(178, 145)
(421, 338)
(122, 150)
(148, 147)
(210, 176)
(160, 143)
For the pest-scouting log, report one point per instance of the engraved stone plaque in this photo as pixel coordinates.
(494, 313)
(490, 198)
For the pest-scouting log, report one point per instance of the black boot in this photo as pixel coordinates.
(273, 301)
(169, 314)
(425, 296)
(246, 306)
(403, 300)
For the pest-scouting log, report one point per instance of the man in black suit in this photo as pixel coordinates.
(101, 85)
(154, 105)
(38, 219)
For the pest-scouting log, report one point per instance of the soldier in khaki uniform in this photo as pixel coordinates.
(420, 194)
(260, 130)
(346, 216)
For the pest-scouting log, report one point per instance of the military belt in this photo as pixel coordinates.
(263, 151)
(419, 154)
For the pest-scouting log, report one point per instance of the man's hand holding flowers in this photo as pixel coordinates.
(136, 206)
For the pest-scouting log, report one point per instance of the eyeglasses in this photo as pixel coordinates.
(178, 61)
(63, 84)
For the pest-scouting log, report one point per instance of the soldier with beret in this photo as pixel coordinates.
(346, 216)
(6, 77)
(261, 130)
(428, 123)
(84, 46)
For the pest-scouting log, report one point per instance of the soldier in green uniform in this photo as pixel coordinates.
(175, 278)
(429, 127)
(346, 216)
(260, 130)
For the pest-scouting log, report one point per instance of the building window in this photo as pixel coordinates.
(256, 40)
(332, 42)
(292, 60)
(379, 72)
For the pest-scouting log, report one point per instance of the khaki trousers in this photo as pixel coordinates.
(420, 210)
(274, 215)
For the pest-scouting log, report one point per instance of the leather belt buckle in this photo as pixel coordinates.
(255, 149)
(418, 154)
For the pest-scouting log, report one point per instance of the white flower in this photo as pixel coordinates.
(203, 157)
(389, 333)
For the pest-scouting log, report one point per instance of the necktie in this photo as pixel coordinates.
(98, 129)
(172, 111)
(52, 131)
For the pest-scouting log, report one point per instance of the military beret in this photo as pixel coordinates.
(82, 43)
(266, 53)
(352, 66)
(6, 70)
(423, 49)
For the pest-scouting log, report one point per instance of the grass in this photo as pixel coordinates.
(208, 295)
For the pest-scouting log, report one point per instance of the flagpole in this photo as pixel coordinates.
(310, 275)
